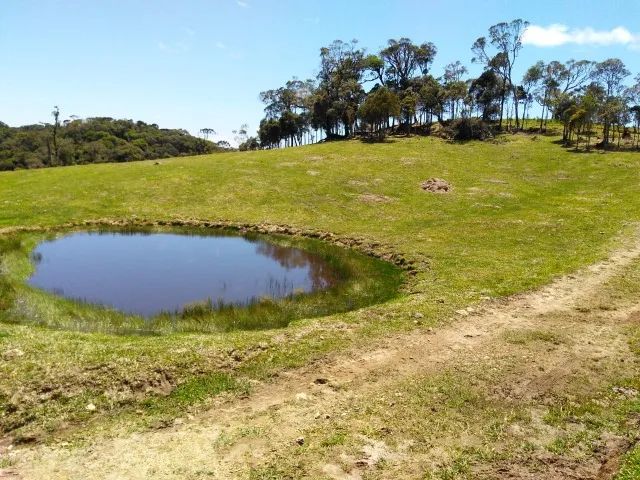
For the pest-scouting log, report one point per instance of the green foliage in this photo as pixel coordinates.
(466, 128)
(378, 107)
(93, 140)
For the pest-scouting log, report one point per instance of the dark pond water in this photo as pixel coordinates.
(146, 274)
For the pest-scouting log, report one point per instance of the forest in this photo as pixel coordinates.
(394, 90)
(95, 140)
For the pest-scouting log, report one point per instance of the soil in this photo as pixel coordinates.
(436, 185)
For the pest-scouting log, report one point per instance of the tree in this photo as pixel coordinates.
(205, 132)
(340, 92)
(456, 88)
(251, 143)
(530, 83)
(552, 74)
(487, 92)
(376, 67)
(54, 137)
(408, 106)
(633, 94)
(269, 133)
(379, 105)
(506, 38)
(589, 104)
(433, 97)
(241, 134)
(404, 58)
(575, 74)
(610, 74)
(635, 114)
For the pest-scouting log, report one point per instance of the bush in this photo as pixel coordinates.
(470, 129)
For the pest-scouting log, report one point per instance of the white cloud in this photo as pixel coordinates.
(221, 45)
(558, 34)
(242, 4)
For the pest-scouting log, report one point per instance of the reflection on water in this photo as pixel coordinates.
(148, 273)
(321, 274)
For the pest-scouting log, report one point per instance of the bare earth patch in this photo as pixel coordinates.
(375, 198)
(436, 185)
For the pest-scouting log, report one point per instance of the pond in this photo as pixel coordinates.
(147, 274)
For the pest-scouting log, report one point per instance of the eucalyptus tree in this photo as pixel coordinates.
(574, 75)
(635, 115)
(374, 65)
(547, 95)
(531, 82)
(408, 108)
(269, 133)
(205, 132)
(610, 74)
(456, 88)
(339, 92)
(589, 104)
(506, 38)
(54, 155)
(487, 93)
(404, 59)
(380, 104)
(433, 98)
(290, 106)
(241, 134)
(633, 95)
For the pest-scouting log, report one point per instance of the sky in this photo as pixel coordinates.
(196, 64)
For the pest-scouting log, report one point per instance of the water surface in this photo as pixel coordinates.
(146, 274)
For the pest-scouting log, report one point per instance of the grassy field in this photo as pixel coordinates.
(522, 211)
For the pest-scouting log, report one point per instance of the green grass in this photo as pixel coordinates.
(631, 468)
(199, 389)
(522, 337)
(522, 211)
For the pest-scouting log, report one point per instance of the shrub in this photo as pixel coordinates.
(470, 129)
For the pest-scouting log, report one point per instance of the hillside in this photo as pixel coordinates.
(445, 381)
(94, 140)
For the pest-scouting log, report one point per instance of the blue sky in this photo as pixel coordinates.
(196, 63)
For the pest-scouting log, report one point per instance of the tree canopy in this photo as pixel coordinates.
(94, 140)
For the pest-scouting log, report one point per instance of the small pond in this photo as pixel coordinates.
(147, 274)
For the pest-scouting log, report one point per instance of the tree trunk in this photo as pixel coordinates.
(515, 101)
(542, 114)
(501, 110)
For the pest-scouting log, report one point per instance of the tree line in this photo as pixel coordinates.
(356, 93)
(96, 140)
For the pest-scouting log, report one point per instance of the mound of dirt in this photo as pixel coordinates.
(436, 185)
